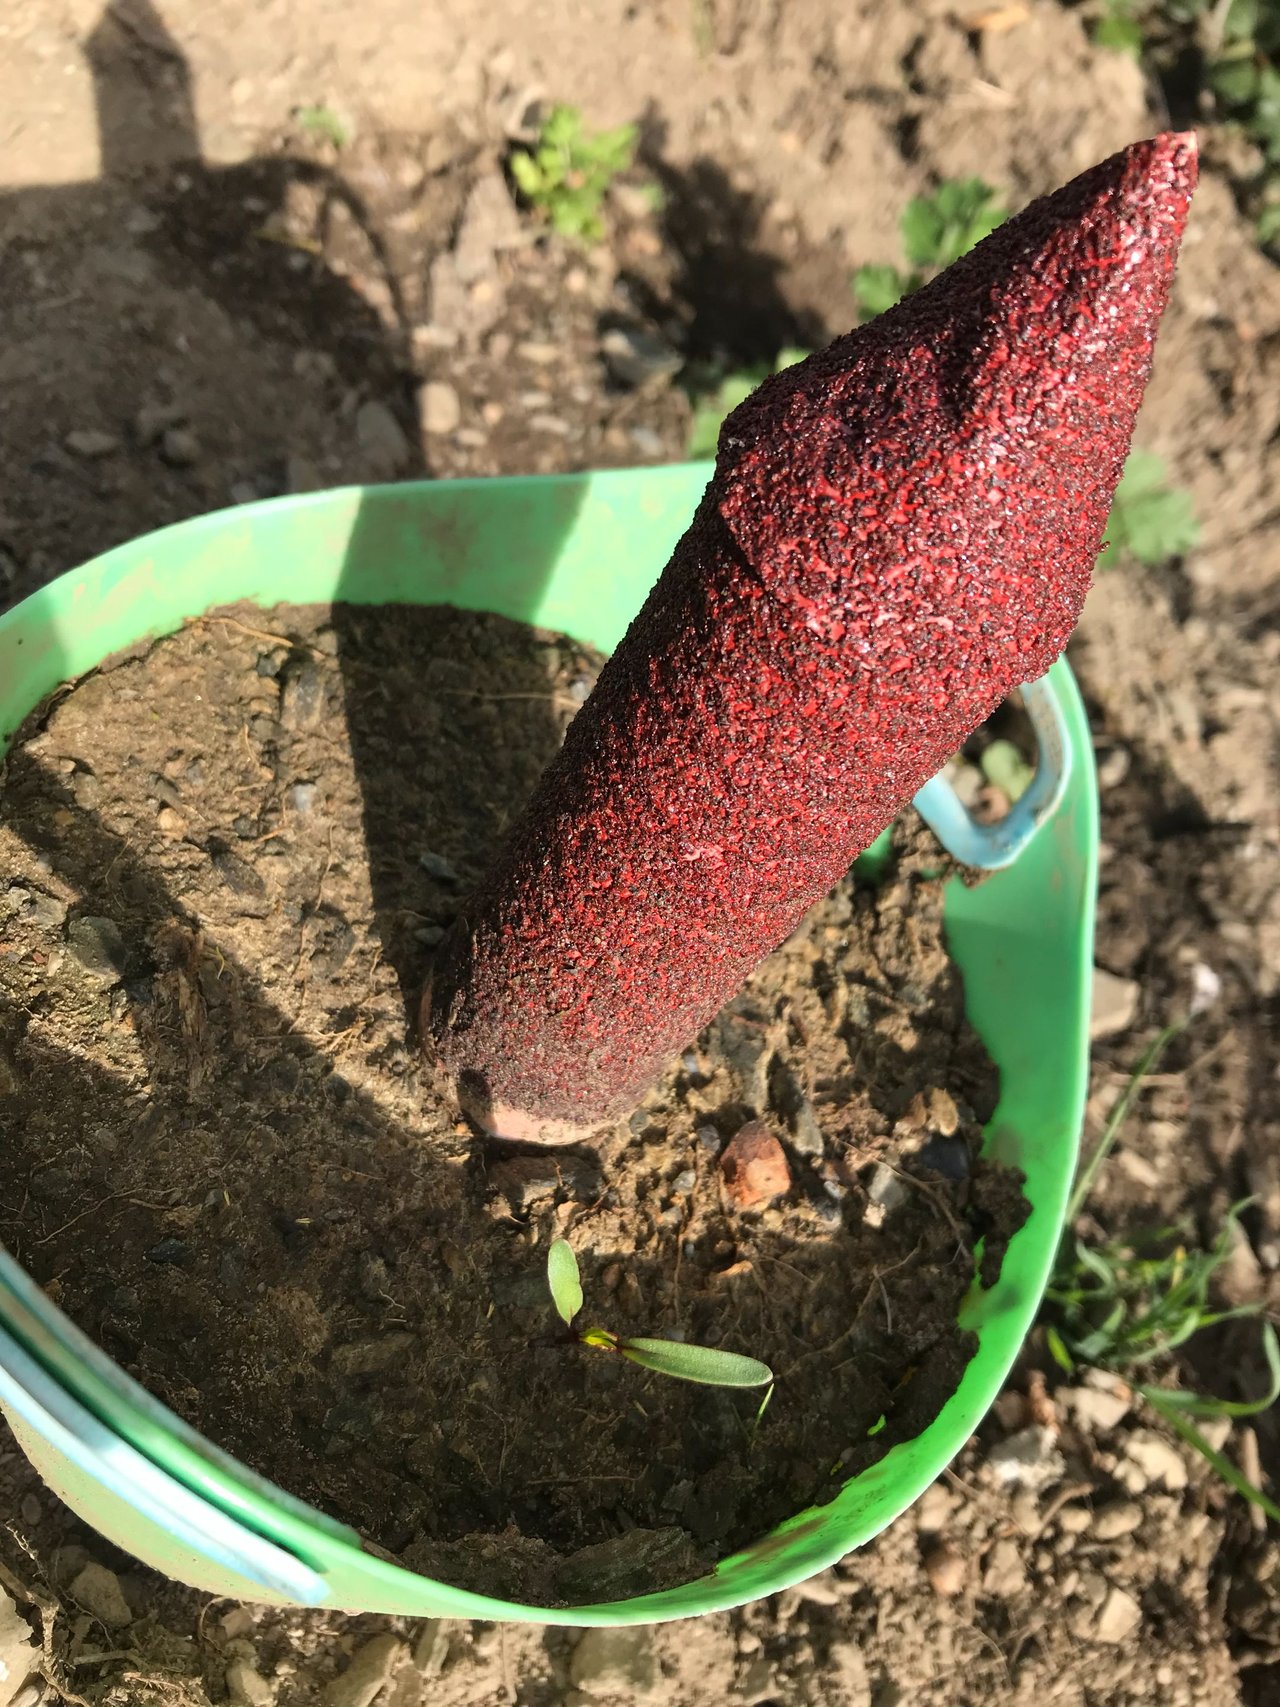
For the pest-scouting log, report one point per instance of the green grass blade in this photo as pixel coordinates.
(1116, 1119)
(564, 1280)
(1156, 1397)
(1195, 1405)
(696, 1363)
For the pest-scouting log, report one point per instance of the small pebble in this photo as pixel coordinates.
(302, 796)
(153, 419)
(1074, 1519)
(1118, 1617)
(1113, 1005)
(945, 1569)
(382, 440)
(638, 358)
(97, 945)
(435, 865)
(92, 445)
(98, 1590)
(246, 1686)
(372, 1667)
(180, 447)
(754, 1166)
(616, 1662)
(439, 410)
(886, 1189)
(1116, 1520)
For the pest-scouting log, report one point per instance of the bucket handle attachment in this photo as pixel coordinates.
(992, 847)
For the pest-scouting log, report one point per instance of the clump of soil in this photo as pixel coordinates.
(228, 857)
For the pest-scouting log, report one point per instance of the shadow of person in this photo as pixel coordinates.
(738, 299)
(180, 340)
(175, 338)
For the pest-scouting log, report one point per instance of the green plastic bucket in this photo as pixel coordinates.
(576, 553)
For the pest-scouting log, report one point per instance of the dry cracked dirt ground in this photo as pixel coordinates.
(204, 304)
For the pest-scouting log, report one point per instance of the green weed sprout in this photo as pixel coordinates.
(1130, 1302)
(323, 123)
(936, 230)
(1238, 43)
(701, 1363)
(1149, 519)
(719, 393)
(567, 174)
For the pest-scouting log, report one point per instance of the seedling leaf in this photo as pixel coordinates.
(1150, 519)
(696, 1363)
(1005, 768)
(564, 1280)
(323, 122)
(938, 229)
(877, 288)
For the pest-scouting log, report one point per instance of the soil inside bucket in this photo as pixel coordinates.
(224, 861)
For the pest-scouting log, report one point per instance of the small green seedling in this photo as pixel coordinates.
(705, 1364)
(1150, 520)
(322, 123)
(1005, 768)
(1128, 1303)
(568, 173)
(718, 392)
(936, 230)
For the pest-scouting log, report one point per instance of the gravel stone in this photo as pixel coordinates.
(439, 410)
(1114, 1004)
(90, 445)
(615, 1662)
(96, 943)
(371, 1669)
(382, 440)
(1118, 1617)
(98, 1590)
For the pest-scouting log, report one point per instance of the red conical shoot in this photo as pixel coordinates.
(900, 530)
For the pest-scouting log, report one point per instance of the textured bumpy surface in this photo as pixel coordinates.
(900, 530)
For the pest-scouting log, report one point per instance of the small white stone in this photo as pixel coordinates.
(19, 1649)
(615, 1662)
(1158, 1462)
(1028, 1459)
(1118, 1617)
(92, 445)
(1092, 1409)
(247, 1687)
(1005, 1576)
(1113, 1005)
(98, 1590)
(439, 410)
(1116, 1520)
(886, 1188)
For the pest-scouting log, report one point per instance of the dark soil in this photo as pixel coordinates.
(228, 859)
